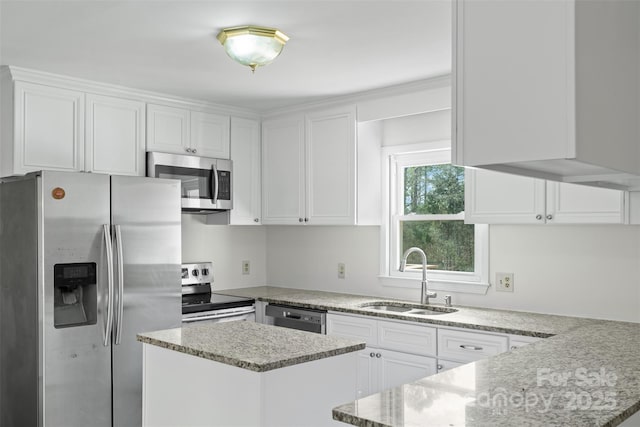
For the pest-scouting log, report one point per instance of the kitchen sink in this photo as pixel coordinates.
(407, 308)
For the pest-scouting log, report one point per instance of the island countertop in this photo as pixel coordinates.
(249, 345)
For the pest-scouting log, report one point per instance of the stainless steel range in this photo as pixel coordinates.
(199, 303)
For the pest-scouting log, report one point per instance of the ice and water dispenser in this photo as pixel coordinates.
(75, 301)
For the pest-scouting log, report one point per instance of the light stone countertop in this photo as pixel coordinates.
(586, 374)
(484, 319)
(249, 345)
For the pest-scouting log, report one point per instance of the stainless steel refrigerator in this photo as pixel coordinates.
(87, 261)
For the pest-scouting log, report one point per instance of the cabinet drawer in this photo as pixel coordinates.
(516, 341)
(404, 337)
(353, 327)
(469, 346)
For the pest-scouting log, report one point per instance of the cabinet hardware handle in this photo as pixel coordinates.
(549, 216)
(440, 367)
(193, 150)
(300, 219)
(538, 217)
(378, 355)
(513, 347)
(306, 220)
(188, 150)
(256, 220)
(470, 347)
(372, 354)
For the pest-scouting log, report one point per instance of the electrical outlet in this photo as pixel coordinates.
(246, 267)
(341, 269)
(504, 282)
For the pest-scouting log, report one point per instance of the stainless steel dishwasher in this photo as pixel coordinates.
(303, 319)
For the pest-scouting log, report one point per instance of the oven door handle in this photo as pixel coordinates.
(217, 316)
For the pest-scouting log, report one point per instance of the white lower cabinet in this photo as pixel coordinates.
(396, 353)
(380, 369)
(465, 346)
(399, 352)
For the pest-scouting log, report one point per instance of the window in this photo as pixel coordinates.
(426, 210)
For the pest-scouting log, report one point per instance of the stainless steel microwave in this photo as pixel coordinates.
(207, 183)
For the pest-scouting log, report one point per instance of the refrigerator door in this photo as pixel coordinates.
(76, 364)
(146, 221)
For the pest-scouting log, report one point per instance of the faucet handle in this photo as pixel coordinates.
(431, 294)
(447, 300)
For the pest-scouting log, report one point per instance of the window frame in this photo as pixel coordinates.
(394, 159)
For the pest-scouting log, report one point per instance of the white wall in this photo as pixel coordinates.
(587, 271)
(225, 246)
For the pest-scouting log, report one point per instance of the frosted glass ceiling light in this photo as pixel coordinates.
(252, 46)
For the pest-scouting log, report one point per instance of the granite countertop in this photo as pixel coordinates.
(586, 373)
(249, 345)
(484, 319)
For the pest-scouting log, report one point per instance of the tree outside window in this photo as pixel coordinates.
(432, 218)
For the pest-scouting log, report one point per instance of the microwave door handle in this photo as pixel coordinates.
(214, 184)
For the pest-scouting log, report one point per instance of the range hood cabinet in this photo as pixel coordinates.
(549, 89)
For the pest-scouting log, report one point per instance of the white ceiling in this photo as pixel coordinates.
(337, 47)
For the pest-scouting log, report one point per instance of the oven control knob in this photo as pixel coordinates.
(194, 273)
(205, 271)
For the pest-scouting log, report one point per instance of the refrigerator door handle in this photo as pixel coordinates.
(214, 184)
(118, 324)
(109, 252)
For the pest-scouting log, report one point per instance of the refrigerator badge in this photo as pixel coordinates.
(58, 193)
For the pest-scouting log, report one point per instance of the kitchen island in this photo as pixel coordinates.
(584, 371)
(245, 374)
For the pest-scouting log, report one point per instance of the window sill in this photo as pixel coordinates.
(436, 285)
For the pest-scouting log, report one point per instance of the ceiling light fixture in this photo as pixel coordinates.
(252, 46)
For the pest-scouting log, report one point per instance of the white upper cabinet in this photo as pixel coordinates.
(283, 171)
(181, 131)
(500, 198)
(43, 129)
(168, 129)
(309, 168)
(210, 135)
(245, 155)
(115, 136)
(331, 166)
(548, 89)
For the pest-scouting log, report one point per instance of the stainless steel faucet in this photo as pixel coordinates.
(424, 293)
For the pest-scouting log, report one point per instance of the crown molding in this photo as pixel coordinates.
(84, 85)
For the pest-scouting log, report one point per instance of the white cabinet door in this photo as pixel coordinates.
(367, 372)
(283, 171)
(579, 204)
(49, 129)
(331, 166)
(245, 155)
(115, 142)
(209, 135)
(168, 129)
(399, 368)
(500, 198)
